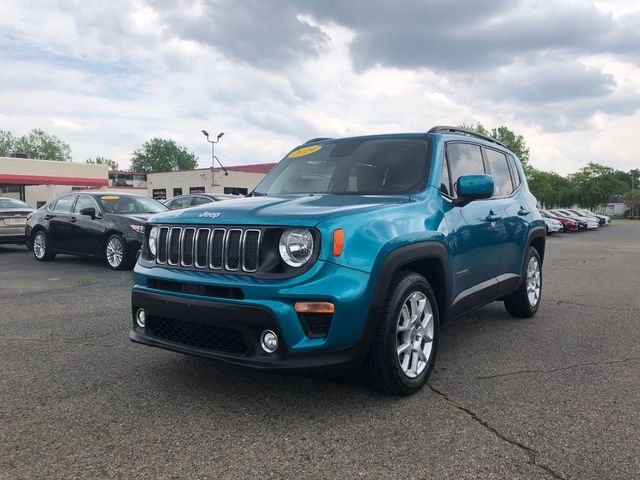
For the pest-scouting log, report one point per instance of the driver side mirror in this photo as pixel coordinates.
(473, 187)
(89, 211)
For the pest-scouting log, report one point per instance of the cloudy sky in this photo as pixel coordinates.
(106, 76)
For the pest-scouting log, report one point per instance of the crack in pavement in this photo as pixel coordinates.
(530, 452)
(624, 308)
(558, 369)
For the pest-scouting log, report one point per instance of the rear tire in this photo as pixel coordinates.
(525, 301)
(408, 324)
(115, 253)
(42, 249)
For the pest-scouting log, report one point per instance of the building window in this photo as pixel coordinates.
(236, 190)
(196, 190)
(159, 193)
(177, 191)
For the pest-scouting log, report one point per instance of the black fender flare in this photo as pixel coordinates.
(534, 233)
(389, 266)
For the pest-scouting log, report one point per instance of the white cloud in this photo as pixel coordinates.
(108, 76)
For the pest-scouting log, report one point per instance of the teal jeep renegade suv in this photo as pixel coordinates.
(351, 252)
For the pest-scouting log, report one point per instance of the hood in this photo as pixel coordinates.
(302, 210)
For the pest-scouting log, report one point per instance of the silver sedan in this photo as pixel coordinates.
(13, 219)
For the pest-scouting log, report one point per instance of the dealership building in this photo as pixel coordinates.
(238, 180)
(38, 181)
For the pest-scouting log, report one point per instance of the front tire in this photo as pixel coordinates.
(115, 253)
(403, 351)
(42, 249)
(525, 301)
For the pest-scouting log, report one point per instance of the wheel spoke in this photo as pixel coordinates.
(414, 363)
(403, 348)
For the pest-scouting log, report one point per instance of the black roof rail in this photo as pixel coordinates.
(319, 139)
(465, 131)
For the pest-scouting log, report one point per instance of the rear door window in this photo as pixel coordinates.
(499, 169)
(63, 204)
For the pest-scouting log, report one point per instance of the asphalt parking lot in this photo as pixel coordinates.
(554, 396)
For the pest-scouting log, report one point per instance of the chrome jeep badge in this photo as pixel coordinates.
(209, 215)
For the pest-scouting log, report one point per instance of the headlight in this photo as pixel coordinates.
(137, 228)
(296, 246)
(153, 240)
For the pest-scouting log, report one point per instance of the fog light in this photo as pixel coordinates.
(141, 318)
(269, 341)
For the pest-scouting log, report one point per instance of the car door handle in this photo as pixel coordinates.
(523, 211)
(72, 219)
(48, 217)
(492, 217)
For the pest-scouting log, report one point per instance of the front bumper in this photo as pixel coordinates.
(229, 328)
(237, 329)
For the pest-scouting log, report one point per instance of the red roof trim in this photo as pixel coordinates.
(47, 180)
(255, 168)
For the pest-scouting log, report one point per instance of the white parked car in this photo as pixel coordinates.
(602, 219)
(553, 226)
(592, 223)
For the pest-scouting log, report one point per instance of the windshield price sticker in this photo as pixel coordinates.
(110, 197)
(301, 152)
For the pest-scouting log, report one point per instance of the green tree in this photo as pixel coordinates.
(160, 155)
(112, 164)
(43, 146)
(503, 134)
(551, 189)
(7, 143)
(632, 200)
(594, 184)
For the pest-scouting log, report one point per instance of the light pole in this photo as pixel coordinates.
(213, 155)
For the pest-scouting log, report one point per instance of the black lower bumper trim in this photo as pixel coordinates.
(210, 318)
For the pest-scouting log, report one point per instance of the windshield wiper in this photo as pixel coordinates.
(257, 194)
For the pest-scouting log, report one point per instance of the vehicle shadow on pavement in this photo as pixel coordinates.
(199, 376)
(9, 249)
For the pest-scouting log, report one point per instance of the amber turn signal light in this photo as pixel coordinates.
(338, 242)
(314, 307)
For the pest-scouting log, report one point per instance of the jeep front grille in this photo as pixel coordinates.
(227, 249)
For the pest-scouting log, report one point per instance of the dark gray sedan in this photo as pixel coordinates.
(13, 219)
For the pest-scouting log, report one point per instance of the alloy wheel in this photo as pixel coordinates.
(533, 281)
(414, 334)
(115, 252)
(39, 245)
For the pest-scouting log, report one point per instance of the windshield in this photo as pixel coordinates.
(6, 203)
(363, 166)
(124, 204)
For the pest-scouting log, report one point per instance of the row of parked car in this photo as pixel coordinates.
(97, 224)
(572, 220)
(111, 226)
